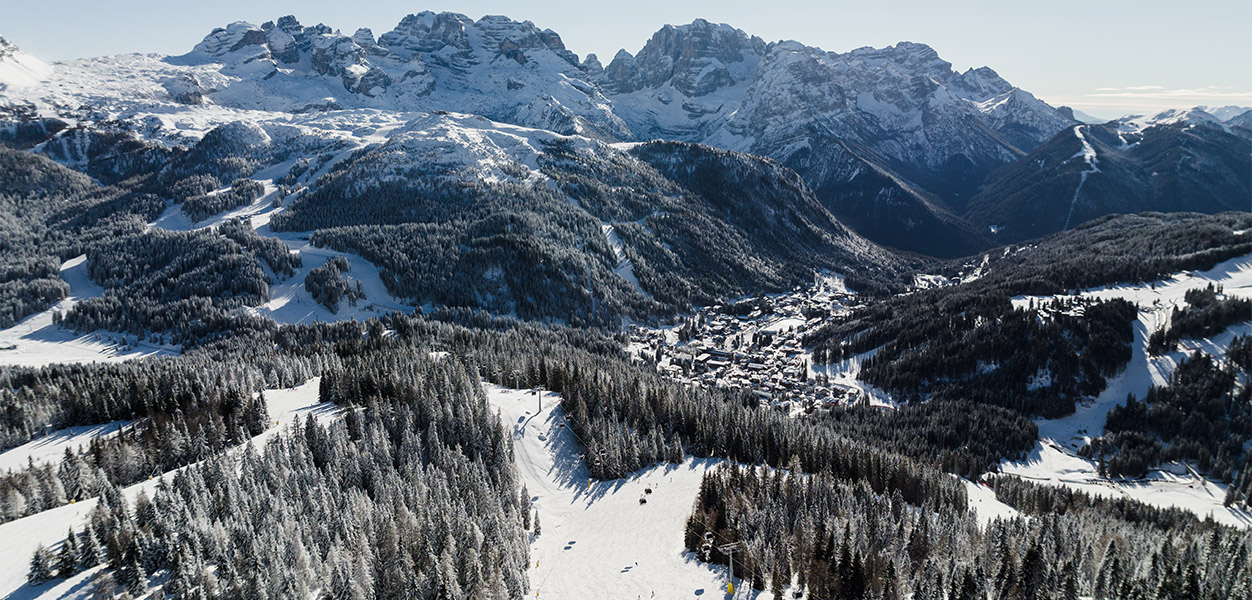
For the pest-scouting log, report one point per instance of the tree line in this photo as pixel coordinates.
(839, 539)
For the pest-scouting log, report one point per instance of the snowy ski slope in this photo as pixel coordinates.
(1054, 460)
(36, 341)
(597, 541)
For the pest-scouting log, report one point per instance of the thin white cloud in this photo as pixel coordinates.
(1111, 105)
(1144, 92)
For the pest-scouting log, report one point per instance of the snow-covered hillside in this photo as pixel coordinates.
(597, 540)
(19, 69)
(1054, 457)
(37, 340)
(47, 528)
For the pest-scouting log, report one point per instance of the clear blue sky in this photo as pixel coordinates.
(1105, 57)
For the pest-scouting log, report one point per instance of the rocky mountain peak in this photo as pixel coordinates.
(591, 66)
(7, 48)
(910, 57)
(427, 32)
(696, 59)
(979, 84)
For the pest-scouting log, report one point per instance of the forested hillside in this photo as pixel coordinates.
(302, 314)
(1090, 171)
(844, 540)
(969, 342)
(692, 224)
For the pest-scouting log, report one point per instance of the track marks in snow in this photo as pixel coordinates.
(593, 535)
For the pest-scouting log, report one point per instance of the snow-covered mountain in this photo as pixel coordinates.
(500, 68)
(19, 69)
(1226, 113)
(1176, 161)
(892, 139)
(686, 82)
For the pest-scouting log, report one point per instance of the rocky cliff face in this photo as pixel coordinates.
(503, 69)
(685, 82)
(927, 134)
(695, 59)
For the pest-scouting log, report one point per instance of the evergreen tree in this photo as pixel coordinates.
(129, 574)
(88, 549)
(1069, 591)
(40, 566)
(67, 556)
(524, 500)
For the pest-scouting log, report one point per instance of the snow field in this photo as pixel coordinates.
(982, 500)
(596, 540)
(1054, 460)
(36, 341)
(20, 537)
(289, 302)
(51, 446)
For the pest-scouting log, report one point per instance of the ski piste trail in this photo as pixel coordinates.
(597, 540)
(1054, 459)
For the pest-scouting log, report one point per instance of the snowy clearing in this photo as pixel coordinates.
(22, 536)
(846, 373)
(1175, 486)
(36, 341)
(982, 500)
(51, 447)
(597, 541)
(783, 324)
(290, 303)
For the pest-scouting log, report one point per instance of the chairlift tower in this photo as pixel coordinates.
(729, 550)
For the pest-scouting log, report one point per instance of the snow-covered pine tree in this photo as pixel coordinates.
(67, 556)
(525, 504)
(88, 549)
(40, 566)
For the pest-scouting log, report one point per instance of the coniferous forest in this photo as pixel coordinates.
(536, 262)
